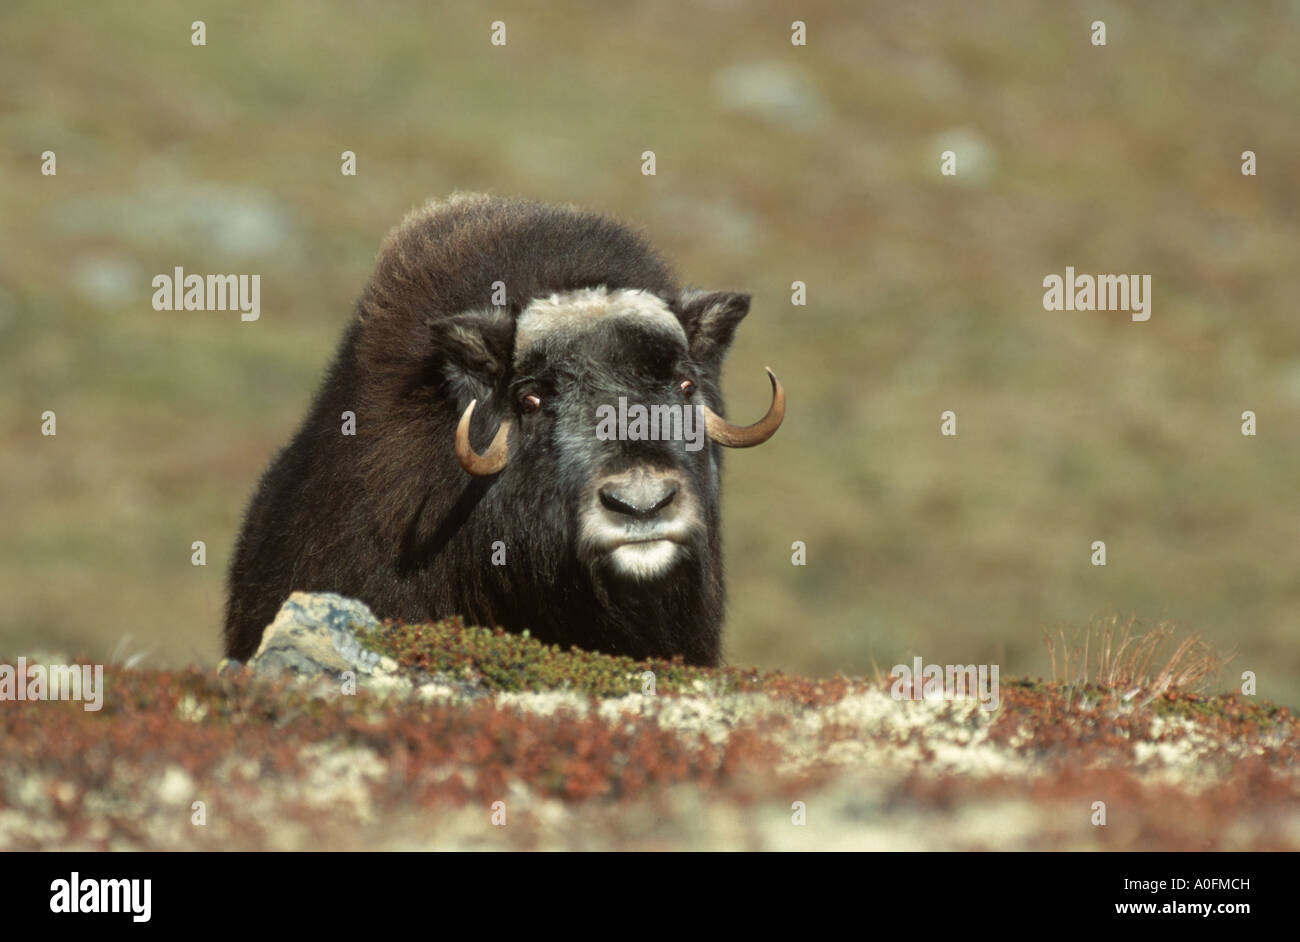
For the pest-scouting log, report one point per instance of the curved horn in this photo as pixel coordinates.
(735, 436)
(492, 460)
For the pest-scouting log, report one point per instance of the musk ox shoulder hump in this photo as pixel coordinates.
(448, 256)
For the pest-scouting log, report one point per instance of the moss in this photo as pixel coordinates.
(1226, 707)
(507, 662)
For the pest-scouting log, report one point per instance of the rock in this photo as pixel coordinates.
(977, 162)
(237, 221)
(106, 280)
(775, 92)
(316, 636)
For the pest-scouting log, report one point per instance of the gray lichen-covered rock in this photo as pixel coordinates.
(316, 636)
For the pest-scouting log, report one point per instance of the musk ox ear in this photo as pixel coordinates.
(709, 319)
(473, 351)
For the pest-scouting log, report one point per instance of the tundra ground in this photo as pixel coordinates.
(578, 756)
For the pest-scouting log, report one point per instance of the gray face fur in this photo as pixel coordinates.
(635, 516)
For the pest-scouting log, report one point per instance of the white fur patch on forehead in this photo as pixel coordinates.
(571, 312)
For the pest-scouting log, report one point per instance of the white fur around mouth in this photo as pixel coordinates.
(644, 559)
(607, 536)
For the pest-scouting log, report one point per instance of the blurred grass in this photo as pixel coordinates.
(924, 293)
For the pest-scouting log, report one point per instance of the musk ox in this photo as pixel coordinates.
(475, 480)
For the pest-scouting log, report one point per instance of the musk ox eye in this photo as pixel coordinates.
(529, 402)
(687, 387)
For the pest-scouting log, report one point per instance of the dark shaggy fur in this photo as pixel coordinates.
(389, 517)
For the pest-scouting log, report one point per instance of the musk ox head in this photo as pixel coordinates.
(539, 441)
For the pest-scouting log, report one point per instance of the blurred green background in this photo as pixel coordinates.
(775, 164)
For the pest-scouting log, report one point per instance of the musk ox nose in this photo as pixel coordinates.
(641, 497)
(639, 523)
